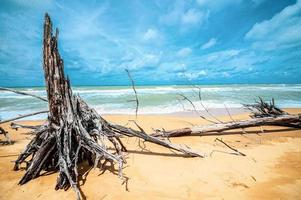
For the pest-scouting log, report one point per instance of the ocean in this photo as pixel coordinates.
(156, 99)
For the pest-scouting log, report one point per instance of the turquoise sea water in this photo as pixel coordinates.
(156, 99)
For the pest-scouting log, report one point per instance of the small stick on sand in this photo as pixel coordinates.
(235, 150)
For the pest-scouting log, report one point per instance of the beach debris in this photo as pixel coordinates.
(197, 90)
(232, 148)
(16, 126)
(264, 109)
(23, 93)
(75, 133)
(134, 89)
(262, 114)
(23, 116)
(195, 110)
(5, 133)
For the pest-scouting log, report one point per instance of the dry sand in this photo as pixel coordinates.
(271, 169)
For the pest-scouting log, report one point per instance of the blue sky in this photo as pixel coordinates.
(159, 41)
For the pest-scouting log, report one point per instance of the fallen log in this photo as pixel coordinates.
(74, 133)
(282, 120)
(262, 113)
(17, 126)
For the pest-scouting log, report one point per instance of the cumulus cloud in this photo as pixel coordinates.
(140, 61)
(209, 44)
(222, 55)
(192, 75)
(184, 52)
(172, 66)
(182, 15)
(281, 31)
(151, 34)
(194, 16)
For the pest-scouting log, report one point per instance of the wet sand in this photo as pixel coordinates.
(271, 169)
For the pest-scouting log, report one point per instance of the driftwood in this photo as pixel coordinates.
(23, 93)
(5, 133)
(134, 89)
(74, 132)
(23, 116)
(263, 109)
(233, 149)
(16, 126)
(262, 114)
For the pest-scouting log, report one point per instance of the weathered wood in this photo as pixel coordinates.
(134, 88)
(23, 93)
(5, 133)
(264, 109)
(262, 113)
(209, 129)
(233, 149)
(16, 126)
(23, 116)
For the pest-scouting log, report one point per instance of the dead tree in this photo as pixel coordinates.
(263, 109)
(262, 114)
(74, 132)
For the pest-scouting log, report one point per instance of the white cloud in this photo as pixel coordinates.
(181, 15)
(217, 4)
(151, 34)
(193, 16)
(222, 55)
(281, 31)
(172, 67)
(209, 44)
(192, 75)
(134, 61)
(226, 74)
(184, 52)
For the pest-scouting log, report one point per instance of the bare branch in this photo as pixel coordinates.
(23, 116)
(136, 96)
(229, 113)
(195, 110)
(200, 98)
(233, 149)
(23, 93)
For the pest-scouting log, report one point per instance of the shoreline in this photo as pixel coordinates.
(217, 112)
(140, 85)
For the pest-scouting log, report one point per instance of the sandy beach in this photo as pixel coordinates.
(271, 169)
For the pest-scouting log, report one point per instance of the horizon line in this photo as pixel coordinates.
(75, 85)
